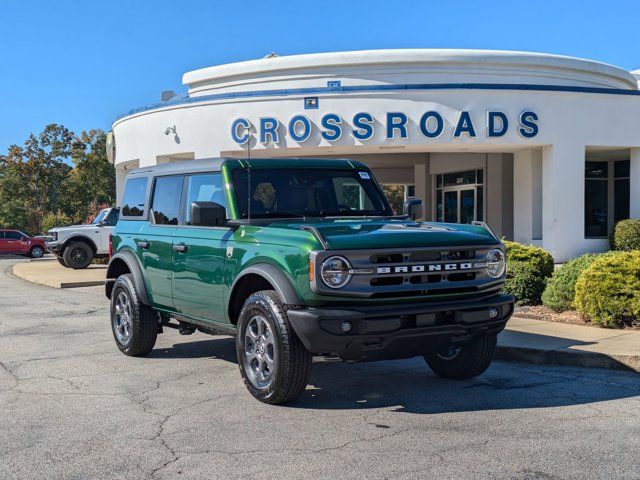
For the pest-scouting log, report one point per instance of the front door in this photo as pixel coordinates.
(199, 254)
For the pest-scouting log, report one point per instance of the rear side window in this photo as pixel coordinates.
(204, 188)
(134, 197)
(166, 200)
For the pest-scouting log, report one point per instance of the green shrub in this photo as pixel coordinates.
(561, 287)
(608, 290)
(541, 260)
(524, 282)
(626, 235)
(527, 271)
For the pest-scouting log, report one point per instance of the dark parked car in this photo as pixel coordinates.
(16, 242)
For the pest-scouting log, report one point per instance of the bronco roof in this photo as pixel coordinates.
(215, 164)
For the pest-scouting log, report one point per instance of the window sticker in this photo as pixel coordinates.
(364, 175)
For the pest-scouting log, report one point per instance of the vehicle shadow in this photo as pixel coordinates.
(410, 386)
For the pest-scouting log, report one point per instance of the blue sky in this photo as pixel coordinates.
(83, 63)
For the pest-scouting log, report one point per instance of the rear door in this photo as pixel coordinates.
(106, 229)
(156, 237)
(200, 253)
(3, 242)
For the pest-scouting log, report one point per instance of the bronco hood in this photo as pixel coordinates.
(360, 234)
(73, 227)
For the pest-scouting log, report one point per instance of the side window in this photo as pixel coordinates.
(13, 235)
(206, 187)
(134, 197)
(166, 200)
(112, 219)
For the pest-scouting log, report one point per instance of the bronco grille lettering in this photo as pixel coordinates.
(438, 267)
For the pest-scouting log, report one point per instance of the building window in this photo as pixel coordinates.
(621, 190)
(460, 196)
(606, 196)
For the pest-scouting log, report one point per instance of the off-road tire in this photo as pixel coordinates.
(36, 252)
(78, 255)
(292, 361)
(61, 261)
(472, 359)
(144, 324)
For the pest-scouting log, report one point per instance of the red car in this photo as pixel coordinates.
(16, 242)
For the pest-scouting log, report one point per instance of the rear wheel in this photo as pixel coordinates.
(464, 361)
(134, 325)
(78, 255)
(36, 252)
(273, 362)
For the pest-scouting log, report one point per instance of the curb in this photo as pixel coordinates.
(54, 283)
(571, 358)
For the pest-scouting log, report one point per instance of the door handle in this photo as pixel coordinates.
(180, 248)
(143, 245)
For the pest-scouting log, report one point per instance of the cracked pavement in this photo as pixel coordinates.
(72, 406)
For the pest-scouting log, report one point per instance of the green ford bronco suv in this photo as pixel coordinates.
(297, 257)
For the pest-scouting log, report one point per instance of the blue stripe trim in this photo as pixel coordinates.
(384, 88)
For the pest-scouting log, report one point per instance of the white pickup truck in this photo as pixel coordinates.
(76, 246)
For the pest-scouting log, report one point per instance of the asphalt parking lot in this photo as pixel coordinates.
(72, 406)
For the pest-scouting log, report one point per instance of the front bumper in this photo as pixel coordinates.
(399, 331)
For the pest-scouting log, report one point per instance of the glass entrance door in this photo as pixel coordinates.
(459, 205)
(460, 196)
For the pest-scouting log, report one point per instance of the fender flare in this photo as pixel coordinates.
(133, 264)
(276, 277)
(80, 238)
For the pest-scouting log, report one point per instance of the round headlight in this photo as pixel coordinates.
(335, 272)
(496, 263)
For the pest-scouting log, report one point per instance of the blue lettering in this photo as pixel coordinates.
(241, 124)
(331, 123)
(300, 134)
(424, 124)
(363, 123)
(528, 126)
(503, 123)
(269, 128)
(465, 125)
(396, 121)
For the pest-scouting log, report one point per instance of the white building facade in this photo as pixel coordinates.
(545, 149)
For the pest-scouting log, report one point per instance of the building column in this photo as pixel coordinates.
(493, 185)
(563, 200)
(423, 189)
(527, 196)
(634, 183)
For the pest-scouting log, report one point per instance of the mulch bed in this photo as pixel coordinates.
(539, 312)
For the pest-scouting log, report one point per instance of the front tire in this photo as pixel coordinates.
(133, 324)
(273, 362)
(465, 361)
(36, 252)
(78, 255)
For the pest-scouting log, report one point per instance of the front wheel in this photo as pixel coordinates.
(273, 362)
(36, 252)
(134, 324)
(465, 361)
(78, 255)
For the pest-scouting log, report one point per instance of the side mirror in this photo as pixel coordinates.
(207, 214)
(413, 208)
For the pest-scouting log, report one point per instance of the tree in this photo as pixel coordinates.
(37, 180)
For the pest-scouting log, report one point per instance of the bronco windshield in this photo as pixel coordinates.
(312, 192)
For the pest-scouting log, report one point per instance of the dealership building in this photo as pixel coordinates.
(544, 148)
